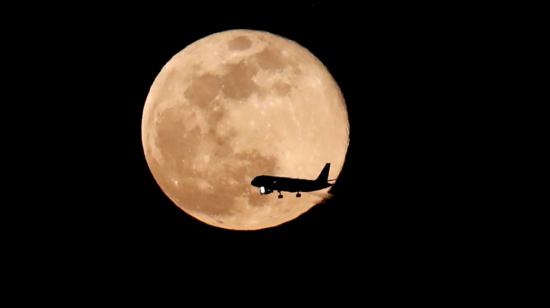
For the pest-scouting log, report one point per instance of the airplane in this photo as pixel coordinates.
(267, 184)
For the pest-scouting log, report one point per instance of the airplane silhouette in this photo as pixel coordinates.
(267, 184)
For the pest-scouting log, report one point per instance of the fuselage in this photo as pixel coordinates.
(273, 183)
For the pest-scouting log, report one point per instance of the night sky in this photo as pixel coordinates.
(397, 201)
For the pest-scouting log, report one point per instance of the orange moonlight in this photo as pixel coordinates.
(238, 104)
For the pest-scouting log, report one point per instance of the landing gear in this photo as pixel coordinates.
(280, 195)
(298, 195)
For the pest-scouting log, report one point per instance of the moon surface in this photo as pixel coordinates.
(235, 105)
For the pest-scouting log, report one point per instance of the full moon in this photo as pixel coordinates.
(235, 105)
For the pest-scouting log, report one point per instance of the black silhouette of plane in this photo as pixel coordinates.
(267, 184)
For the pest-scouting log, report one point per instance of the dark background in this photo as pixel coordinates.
(401, 202)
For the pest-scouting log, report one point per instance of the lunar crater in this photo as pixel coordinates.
(240, 43)
(238, 81)
(271, 59)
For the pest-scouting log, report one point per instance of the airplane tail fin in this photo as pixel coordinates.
(323, 176)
